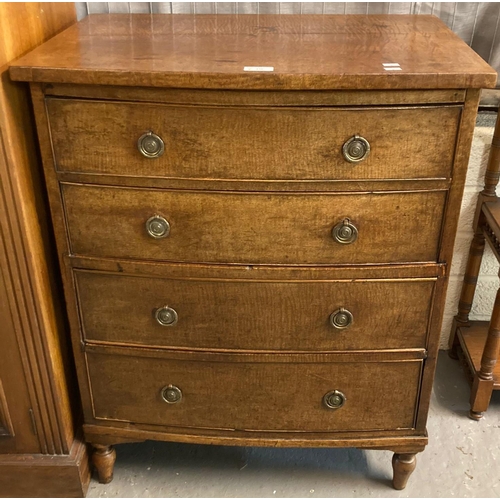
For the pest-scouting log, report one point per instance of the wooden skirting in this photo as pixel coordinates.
(45, 475)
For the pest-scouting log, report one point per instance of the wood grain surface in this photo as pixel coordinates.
(235, 97)
(306, 52)
(25, 25)
(41, 453)
(472, 340)
(253, 228)
(114, 432)
(46, 476)
(237, 314)
(261, 273)
(275, 396)
(269, 144)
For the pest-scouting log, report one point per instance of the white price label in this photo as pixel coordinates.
(258, 68)
(392, 66)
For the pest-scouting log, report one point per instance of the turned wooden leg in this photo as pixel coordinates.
(453, 341)
(403, 465)
(103, 458)
(492, 174)
(476, 415)
(482, 385)
(468, 289)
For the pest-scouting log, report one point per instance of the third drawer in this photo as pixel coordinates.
(252, 315)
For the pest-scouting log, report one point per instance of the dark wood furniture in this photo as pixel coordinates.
(258, 257)
(40, 454)
(477, 343)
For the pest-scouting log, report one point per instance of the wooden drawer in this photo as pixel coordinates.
(210, 142)
(253, 228)
(237, 314)
(267, 395)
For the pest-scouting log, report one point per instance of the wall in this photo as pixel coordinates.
(488, 279)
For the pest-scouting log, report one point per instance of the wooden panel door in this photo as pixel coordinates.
(17, 432)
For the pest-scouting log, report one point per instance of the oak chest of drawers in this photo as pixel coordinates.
(255, 217)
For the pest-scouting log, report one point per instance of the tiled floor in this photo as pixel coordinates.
(462, 460)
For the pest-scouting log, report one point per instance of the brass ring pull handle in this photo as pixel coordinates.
(341, 318)
(157, 227)
(166, 316)
(171, 394)
(334, 400)
(356, 149)
(150, 145)
(345, 232)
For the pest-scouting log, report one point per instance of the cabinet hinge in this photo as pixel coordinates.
(33, 423)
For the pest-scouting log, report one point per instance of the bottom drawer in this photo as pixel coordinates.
(270, 394)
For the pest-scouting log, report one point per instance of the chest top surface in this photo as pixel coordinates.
(229, 51)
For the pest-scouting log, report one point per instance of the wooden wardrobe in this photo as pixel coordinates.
(40, 452)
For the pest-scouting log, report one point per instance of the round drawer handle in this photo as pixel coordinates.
(345, 232)
(157, 227)
(356, 149)
(166, 316)
(171, 394)
(150, 145)
(341, 318)
(334, 400)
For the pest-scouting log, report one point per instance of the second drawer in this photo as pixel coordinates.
(254, 228)
(251, 315)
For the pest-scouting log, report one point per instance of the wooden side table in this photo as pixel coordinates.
(477, 343)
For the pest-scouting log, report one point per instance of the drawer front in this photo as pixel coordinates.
(252, 143)
(255, 396)
(253, 228)
(214, 314)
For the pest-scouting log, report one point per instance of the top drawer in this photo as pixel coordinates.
(253, 143)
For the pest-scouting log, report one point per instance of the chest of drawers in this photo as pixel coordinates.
(255, 257)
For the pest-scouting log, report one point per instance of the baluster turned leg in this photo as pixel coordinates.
(103, 458)
(403, 465)
(482, 386)
(492, 175)
(468, 289)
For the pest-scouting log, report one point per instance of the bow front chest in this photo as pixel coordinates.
(255, 217)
